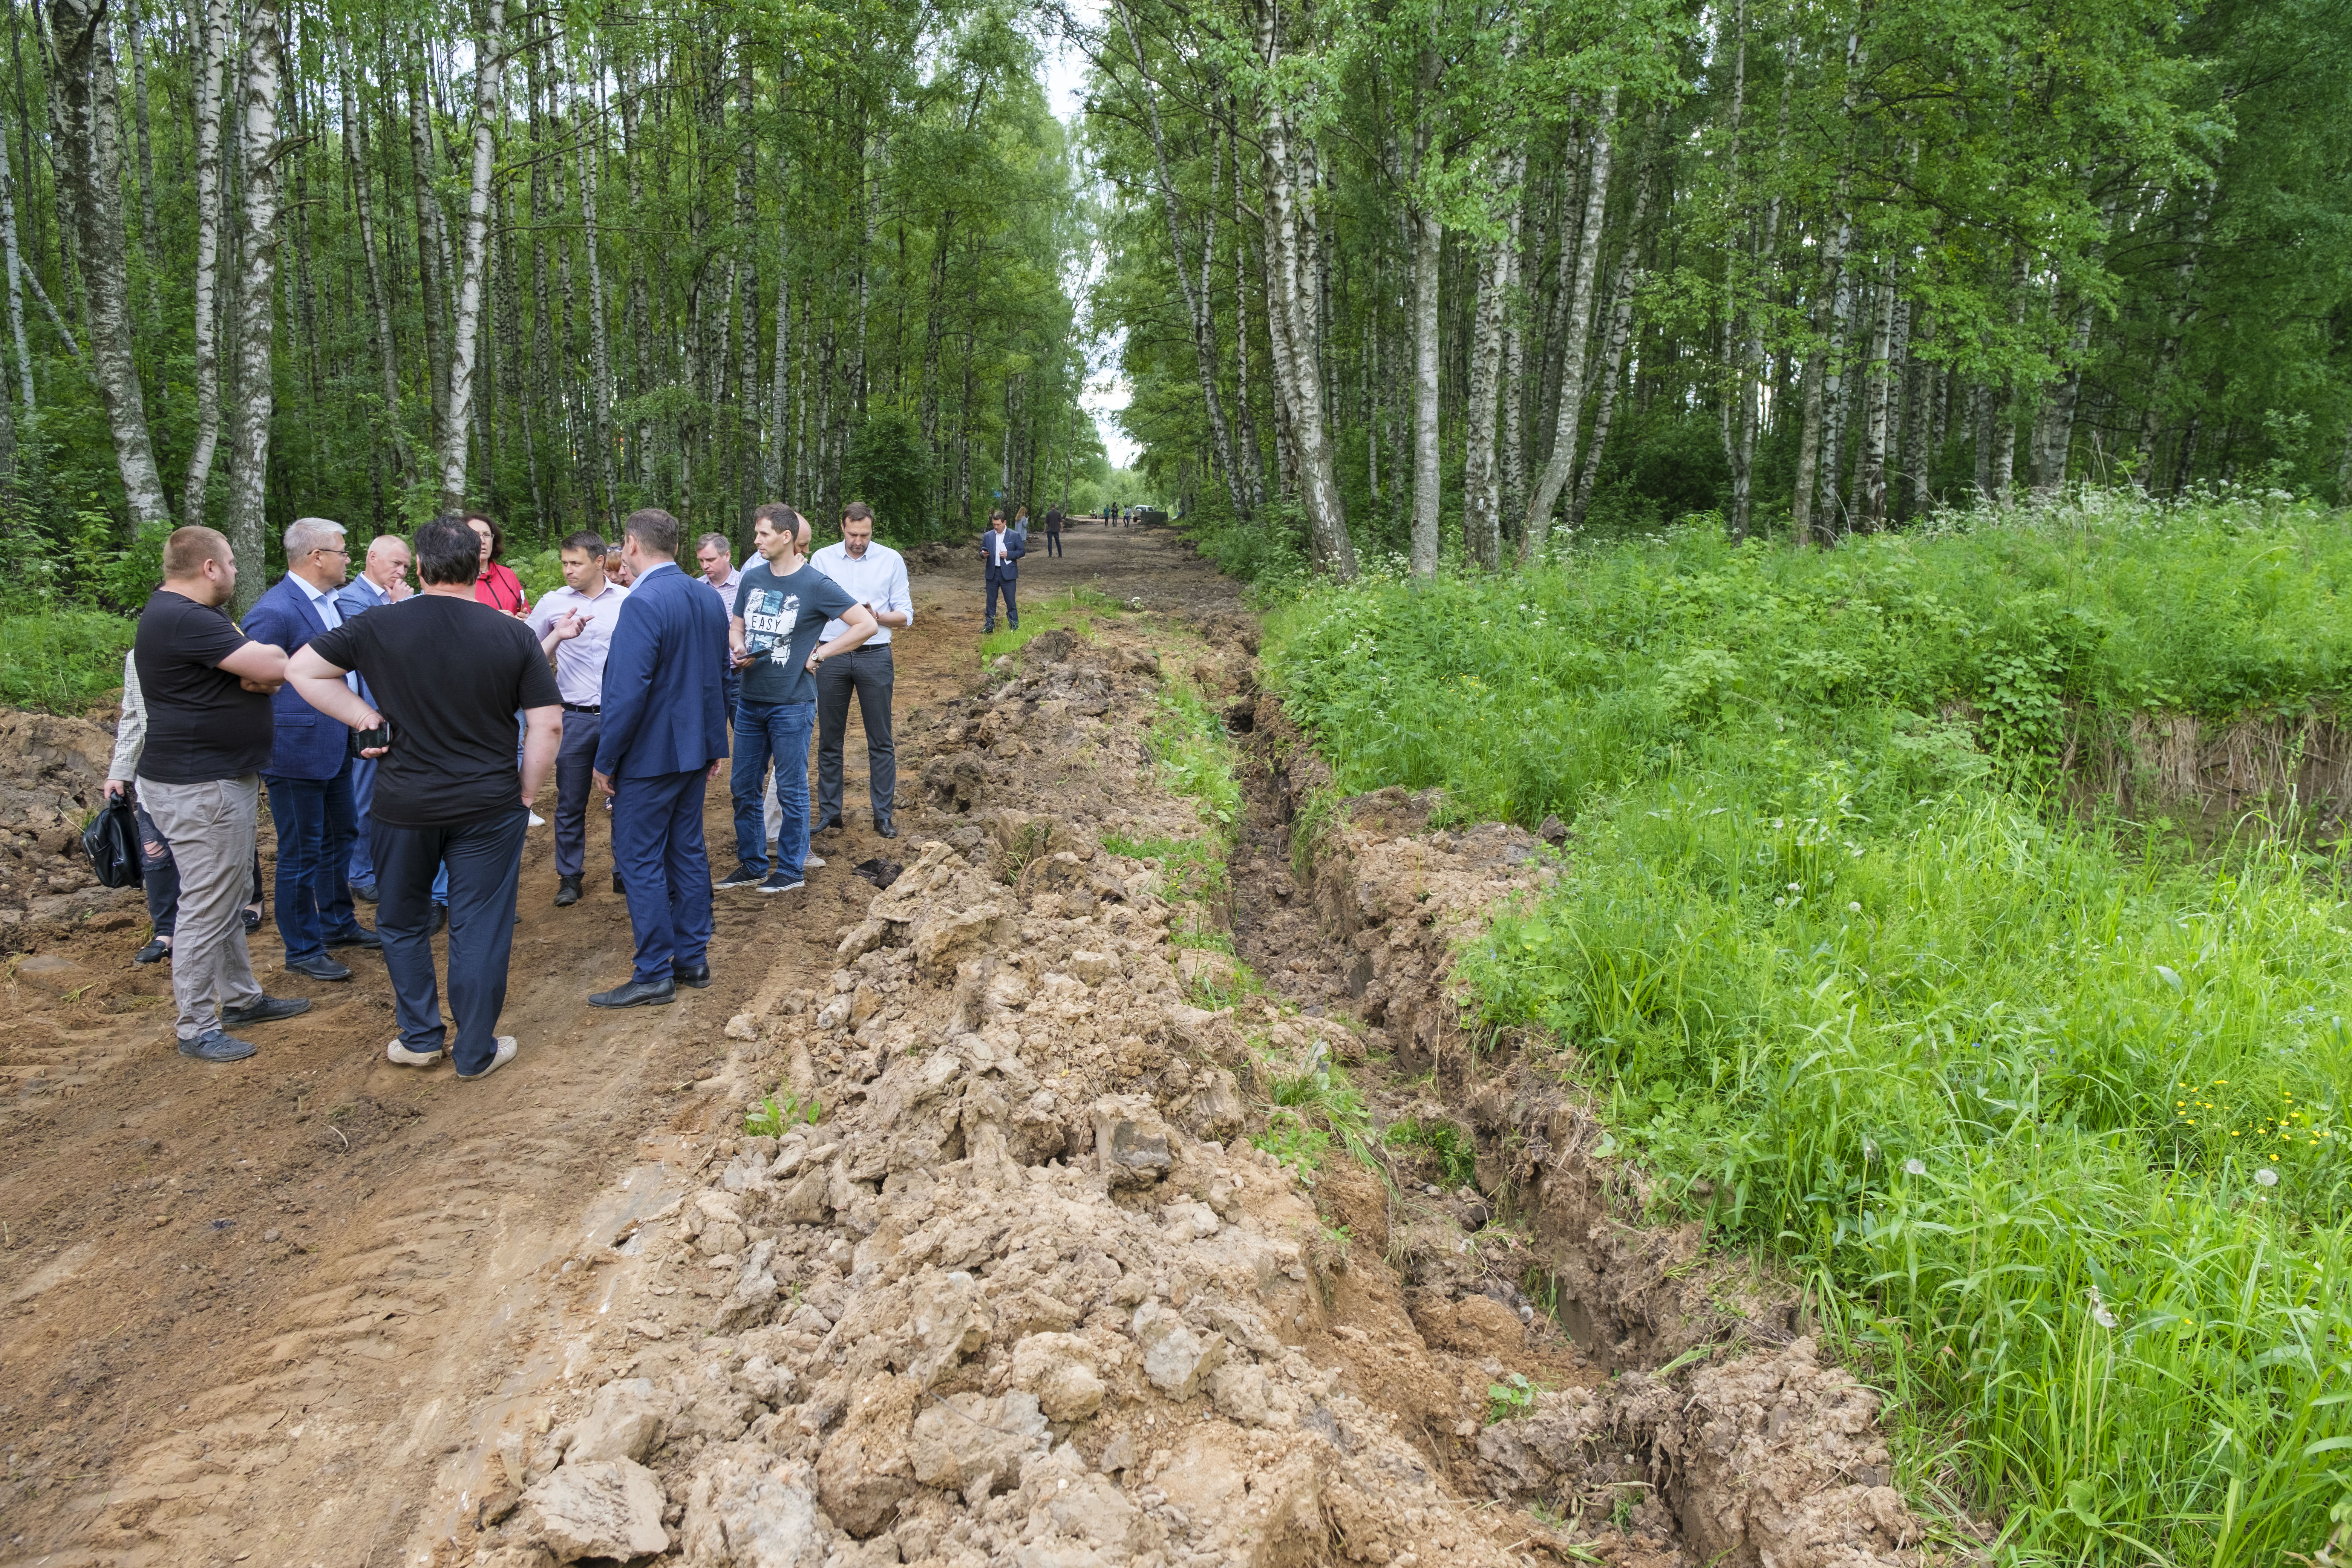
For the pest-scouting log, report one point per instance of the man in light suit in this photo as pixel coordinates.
(1001, 550)
(383, 581)
(309, 771)
(663, 736)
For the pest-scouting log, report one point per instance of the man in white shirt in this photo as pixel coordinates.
(876, 575)
(383, 581)
(717, 561)
(575, 626)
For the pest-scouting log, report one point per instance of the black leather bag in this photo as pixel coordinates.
(111, 842)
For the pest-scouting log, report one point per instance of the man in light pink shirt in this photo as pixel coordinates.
(575, 626)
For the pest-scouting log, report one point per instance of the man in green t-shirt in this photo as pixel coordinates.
(781, 603)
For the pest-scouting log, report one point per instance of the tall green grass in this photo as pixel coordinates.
(62, 661)
(2048, 1115)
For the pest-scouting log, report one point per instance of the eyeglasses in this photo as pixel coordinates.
(331, 550)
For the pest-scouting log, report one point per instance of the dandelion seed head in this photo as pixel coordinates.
(1853, 907)
(2266, 1176)
(1915, 1167)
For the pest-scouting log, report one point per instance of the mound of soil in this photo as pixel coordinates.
(52, 771)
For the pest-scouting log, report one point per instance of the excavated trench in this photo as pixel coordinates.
(1037, 1259)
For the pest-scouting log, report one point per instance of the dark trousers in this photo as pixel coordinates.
(315, 825)
(576, 763)
(777, 732)
(1011, 609)
(160, 876)
(362, 866)
(483, 860)
(1053, 543)
(659, 849)
(866, 670)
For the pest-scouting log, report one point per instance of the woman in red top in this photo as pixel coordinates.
(496, 587)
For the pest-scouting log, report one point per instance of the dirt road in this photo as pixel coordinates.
(245, 1308)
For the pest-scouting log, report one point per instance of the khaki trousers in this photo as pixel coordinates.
(210, 827)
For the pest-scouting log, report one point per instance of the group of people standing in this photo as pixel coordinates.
(403, 736)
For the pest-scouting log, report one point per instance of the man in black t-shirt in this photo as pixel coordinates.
(209, 733)
(448, 675)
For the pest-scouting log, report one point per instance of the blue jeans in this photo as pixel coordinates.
(482, 860)
(315, 825)
(778, 730)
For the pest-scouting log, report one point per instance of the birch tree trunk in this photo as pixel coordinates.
(1578, 327)
(1428, 235)
(149, 230)
(1482, 500)
(2056, 430)
(488, 66)
(1834, 389)
(1620, 335)
(1252, 461)
(1293, 325)
(249, 454)
(1870, 478)
(217, 18)
(83, 63)
(779, 384)
(17, 274)
(355, 149)
(1196, 301)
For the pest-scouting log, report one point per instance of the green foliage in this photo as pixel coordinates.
(888, 469)
(1511, 1399)
(1315, 1102)
(2047, 1116)
(1452, 1148)
(1189, 869)
(1195, 757)
(770, 1118)
(61, 661)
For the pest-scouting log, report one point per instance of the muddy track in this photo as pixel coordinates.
(321, 1312)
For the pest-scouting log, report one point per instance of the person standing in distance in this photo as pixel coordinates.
(383, 581)
(783, 606)
(448, 674)
(1001, 550)
(575, 626)
(665, 735)
(1052, 531)
(209, 733)
(875, 576)
(716, 556)
(309, 771)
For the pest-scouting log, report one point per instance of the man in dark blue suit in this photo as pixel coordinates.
(1001, 550)
(309, 771)
(663, 736)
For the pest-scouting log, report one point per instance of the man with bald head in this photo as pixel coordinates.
(309, 769)
(383, 580)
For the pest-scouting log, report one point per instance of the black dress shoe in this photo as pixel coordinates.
(269, 1010)
(637, 994)
(319, 968)
(156, 951)
(567, 892)
(439, 921)
(695, 974)
(358, 936)
(886, 827)
(830, 825)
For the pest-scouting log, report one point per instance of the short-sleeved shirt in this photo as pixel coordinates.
(499, 588)
(450, 674)
(781, 617)
(203, 725)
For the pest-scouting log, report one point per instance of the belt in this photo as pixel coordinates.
(583, 708)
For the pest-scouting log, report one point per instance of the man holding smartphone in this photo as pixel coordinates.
(448, 675)
(875, 576)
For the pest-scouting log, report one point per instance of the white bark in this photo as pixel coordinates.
(83, 60)
(600, 346)
(249, 456)
(1579, 327)
(489, 70)
(355, 149)
(1293, 324)
(1428, 235)
(1482, 477)
(218, 18)
(17, 274)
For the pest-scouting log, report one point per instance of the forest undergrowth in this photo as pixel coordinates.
(2046, 1111)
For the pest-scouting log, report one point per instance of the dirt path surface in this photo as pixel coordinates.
(1035, 1263)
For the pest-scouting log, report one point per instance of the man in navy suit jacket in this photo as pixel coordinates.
(1001, 550)
(663, 735)
(309, 771)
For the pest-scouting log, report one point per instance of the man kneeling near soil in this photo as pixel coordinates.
(449, 675)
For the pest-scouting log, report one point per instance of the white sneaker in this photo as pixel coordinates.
(812, 862)
(537, 820)
(400, 1056)
(505, 1054)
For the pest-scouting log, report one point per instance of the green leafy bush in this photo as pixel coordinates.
(2048, 1115)
(61, 660)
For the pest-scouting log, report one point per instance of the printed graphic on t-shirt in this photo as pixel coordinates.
(768, 616)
